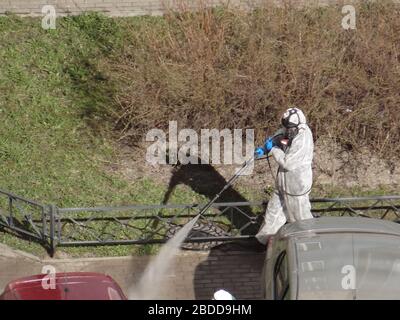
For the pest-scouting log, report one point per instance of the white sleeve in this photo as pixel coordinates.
(295, 156)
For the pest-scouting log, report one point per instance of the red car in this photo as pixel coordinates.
(64, 286)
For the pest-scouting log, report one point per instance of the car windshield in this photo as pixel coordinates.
(348, 266)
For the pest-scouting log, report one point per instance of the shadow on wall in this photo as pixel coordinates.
(236, 267)
(204, 179)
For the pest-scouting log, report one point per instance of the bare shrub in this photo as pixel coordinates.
(229, 68)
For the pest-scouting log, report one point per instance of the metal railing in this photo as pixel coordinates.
(151, 224)
(24, 217)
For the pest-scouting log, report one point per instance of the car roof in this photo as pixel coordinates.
(79, 285)
(339, 225)
(326, 251)
(66, 276)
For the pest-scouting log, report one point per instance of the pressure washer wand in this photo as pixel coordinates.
(227, 185)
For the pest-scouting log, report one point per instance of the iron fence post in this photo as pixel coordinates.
(44, 222)
(53, 210)
(10, 210)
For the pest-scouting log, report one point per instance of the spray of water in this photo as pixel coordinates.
(150, 284)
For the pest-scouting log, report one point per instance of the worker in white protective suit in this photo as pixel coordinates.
(292, 148)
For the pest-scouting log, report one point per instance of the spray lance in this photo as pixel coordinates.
(193, 221)
(227, 185)
(278, 139)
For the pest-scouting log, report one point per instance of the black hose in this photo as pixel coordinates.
(287, 193)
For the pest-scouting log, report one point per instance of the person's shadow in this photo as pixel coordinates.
(204, 179)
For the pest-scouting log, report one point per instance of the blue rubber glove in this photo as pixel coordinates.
(259, 152)
(269, 144)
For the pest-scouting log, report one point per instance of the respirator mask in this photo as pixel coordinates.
(291, 128)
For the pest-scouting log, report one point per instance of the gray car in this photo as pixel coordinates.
(334, 258)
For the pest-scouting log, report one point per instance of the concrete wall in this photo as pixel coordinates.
(131, 7)
(108, 7)
(197, 275)
(64, 7)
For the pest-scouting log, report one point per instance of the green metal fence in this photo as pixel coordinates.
(53, 226)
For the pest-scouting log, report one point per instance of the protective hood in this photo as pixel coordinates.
(294, 117)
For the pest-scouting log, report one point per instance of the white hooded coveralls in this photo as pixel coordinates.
(290, 200)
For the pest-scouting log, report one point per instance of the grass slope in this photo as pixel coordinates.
(57, 107)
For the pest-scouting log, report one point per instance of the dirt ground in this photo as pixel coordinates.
(333, 167)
